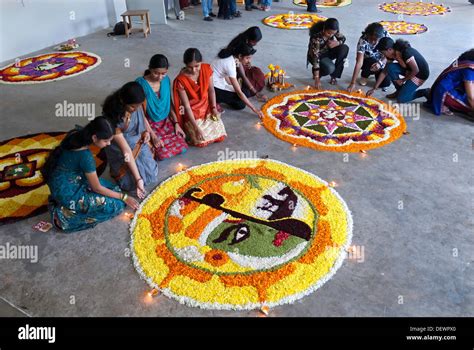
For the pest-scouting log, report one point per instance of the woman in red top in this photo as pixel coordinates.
(195, 101)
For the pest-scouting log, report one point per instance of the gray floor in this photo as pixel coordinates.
(417, 261)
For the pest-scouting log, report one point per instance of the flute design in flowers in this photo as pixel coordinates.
(240, 234)
(246, 236)
(276, 79)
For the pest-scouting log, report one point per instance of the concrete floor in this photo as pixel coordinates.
(418, 261)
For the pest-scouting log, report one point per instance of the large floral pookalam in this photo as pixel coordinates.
(23, 192)
(240, 234)
(332, 120)
(48, 67)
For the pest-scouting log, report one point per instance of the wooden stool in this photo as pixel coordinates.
(143, 14)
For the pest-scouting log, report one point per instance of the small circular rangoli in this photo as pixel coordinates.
(48, 67)
(292, 20)
(324, 3)
(240, 234)
(414, 8)
(403, 28)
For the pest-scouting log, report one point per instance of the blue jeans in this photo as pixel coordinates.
(206, 7)
(248, 3)
(233, 7)
(266, 3)
(406, 92)
(176, 7)
(311, 6)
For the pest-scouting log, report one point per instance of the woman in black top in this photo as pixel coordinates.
(411, 65)
(326, 51)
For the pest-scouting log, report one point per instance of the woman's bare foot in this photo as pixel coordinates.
(333, 81)
(446, 111)
(56, 222)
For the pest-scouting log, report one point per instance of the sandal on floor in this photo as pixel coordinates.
(333, 81)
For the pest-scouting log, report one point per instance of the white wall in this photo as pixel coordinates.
(156, 7)
(31, 25)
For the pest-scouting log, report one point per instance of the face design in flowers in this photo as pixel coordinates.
(251, 239)
(271, 233)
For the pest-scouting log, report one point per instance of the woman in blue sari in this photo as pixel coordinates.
(131, 124)
(454, 88)
(79, 198)
(159, 109)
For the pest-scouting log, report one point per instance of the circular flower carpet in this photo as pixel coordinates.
(23, 192)
(403, 28)
(332, 120)
(48, 67)
(414, 8)
(324, 3)
(240, 234)
(292, 21)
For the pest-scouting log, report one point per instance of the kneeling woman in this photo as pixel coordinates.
(326, 44)
(133, 138)
(195, 101)
(369, 60)
(411, 65)
(226, 85)
(253, 79)
(160, 110)
(454, 88)
(79, 198)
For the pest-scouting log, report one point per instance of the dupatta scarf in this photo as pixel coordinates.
(157, 108)
(198, 94)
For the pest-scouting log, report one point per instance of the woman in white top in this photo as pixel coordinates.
(225, 81)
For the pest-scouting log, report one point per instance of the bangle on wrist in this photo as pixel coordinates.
(123, 197)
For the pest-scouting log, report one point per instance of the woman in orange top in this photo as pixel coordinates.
(195, 101)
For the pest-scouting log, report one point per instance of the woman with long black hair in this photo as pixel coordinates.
(195, 101)
(124, 109)
(369, 60)
(79, 198)
(326, 44)
(167, 135)
(407, 74)
(225, 81)
(453, 90)
(253, 79)
(118, 108)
